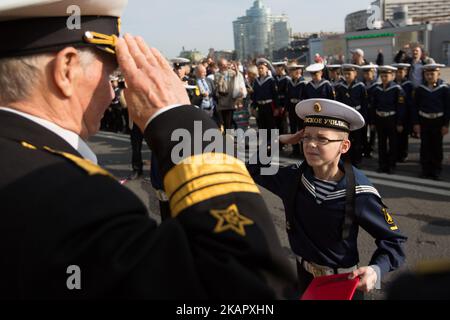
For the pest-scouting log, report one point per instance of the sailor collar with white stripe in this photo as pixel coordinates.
(439, 85)
(299, 81)
(392, 85)
(322, 82)
(258, 80)
(354, 84)
(372, 84)
(308, 180)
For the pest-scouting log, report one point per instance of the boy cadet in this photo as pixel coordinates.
(282, 81)
(388, 118)
(326, 200)
(353, 93)
(401, 78)
(334, 75)
(265, 97)
(431, 117)
(294, 93)
(370, 81)
(318, 88)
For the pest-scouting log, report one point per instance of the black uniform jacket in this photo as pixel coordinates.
(58, 210)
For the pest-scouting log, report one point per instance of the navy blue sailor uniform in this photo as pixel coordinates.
(432, 112)
(403, 137)
(315, 211)
(322, 90)
(282, 82)
(294, 94)
(355, 96)
(389, 112)
(265, 98)
(369, 142)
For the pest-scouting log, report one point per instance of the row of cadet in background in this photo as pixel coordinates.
(398, 102)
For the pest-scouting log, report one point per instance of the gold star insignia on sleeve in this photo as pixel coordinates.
(230, 219)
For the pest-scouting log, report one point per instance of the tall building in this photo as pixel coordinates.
(432, 11)
(401, 13)
(258, 32)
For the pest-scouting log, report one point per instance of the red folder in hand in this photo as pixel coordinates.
(335, 287)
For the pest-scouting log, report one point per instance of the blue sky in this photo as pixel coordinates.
(201, 24)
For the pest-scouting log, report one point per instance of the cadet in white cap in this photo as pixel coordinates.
(431, 119)
(68, 228)
(388, 117)
(353, 93)
(334, 74)
(332, 200)
(402, 79)
(295, 92)
(265, 98)
(370, 80)
(282, 82)
(318, 87)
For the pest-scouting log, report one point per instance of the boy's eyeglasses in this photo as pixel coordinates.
(319, 141)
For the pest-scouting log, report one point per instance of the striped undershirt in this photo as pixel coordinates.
(323, 189)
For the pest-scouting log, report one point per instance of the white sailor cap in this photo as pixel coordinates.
(294, 66)
(316, 67)
(401, 65)
(387, 69)
(179, 62)
(333, 66)
(279, 64)
(433, 67)
(332, 114)
(263, 61)
(369, 67)
(351, 67)
(37, 26)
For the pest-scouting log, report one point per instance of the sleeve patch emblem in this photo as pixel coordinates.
(230, 219)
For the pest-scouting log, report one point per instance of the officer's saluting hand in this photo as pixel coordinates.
(145, 71)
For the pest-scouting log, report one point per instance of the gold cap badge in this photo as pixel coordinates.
(317, 107)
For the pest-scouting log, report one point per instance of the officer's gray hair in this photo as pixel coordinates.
(19, 75)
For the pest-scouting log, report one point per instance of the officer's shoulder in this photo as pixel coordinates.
(45, 159)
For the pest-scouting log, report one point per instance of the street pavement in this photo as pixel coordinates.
(420, 207)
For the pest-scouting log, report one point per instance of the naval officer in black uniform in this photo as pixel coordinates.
(60, 212)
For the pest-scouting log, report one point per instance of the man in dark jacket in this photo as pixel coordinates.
(68, 229)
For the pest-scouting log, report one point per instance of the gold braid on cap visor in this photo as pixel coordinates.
(104, 42)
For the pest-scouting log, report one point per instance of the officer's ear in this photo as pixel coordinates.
(66, 69)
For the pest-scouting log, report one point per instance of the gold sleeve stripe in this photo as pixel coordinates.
(217, 190)
(202, 177)
(209, 181)
(201, 165)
